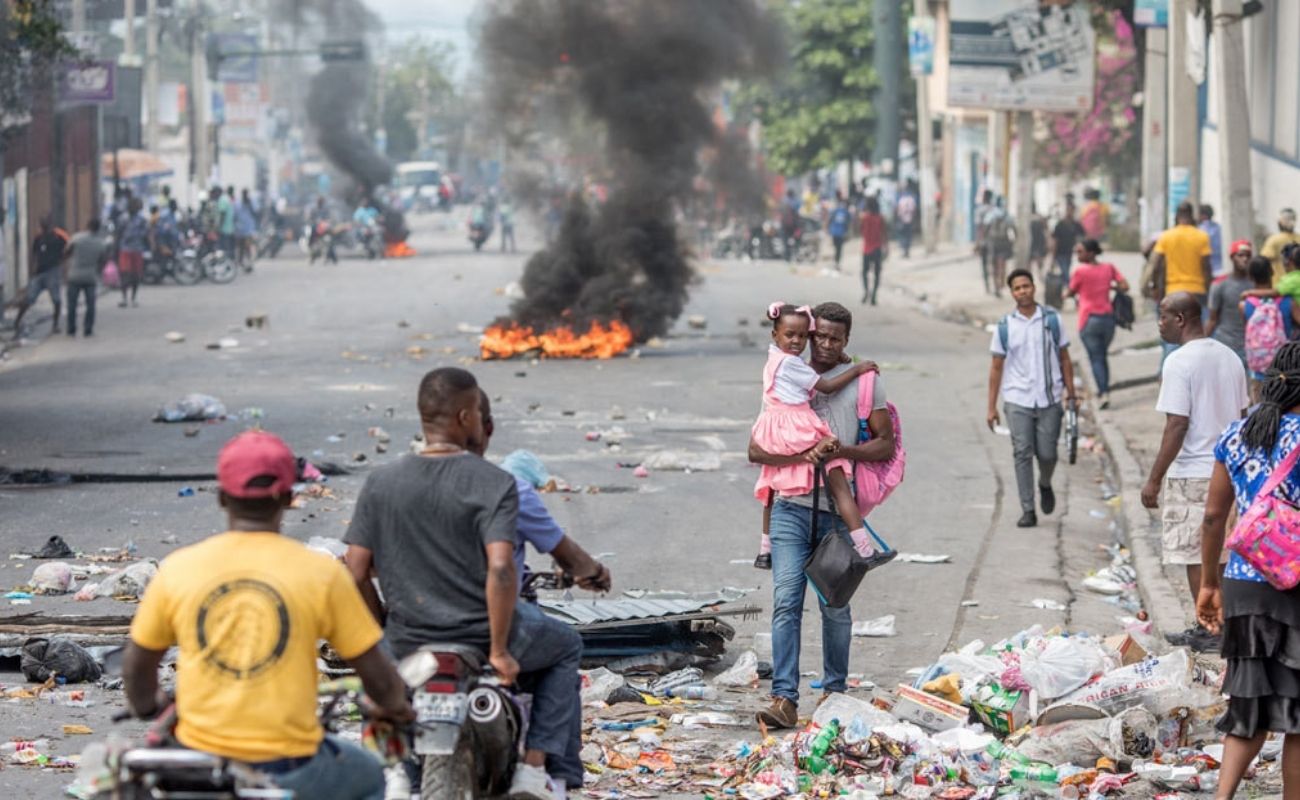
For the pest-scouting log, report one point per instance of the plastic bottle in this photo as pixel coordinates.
(816, 762)
(1003, 753)
(694, 692)
(8, 748)
(1039, 774)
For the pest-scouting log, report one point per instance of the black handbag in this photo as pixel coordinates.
(1124, 312)
(834, 569)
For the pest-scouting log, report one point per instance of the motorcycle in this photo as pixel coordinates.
(320, 242)
(479, 233)
(170, 263)
(369, 240)
(272, 239)
(468, 726)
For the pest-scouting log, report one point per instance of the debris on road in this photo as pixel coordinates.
(880, 626)
(923, 558)
(175, 337)
(54, 577)
(129, 582)
(54, 547)
(191, 408)
(683, 461)
(58, 658)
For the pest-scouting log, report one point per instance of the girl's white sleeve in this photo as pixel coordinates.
(795, 380)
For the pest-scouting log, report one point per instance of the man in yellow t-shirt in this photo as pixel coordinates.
(246, 609)
(1272, 249)
(1183, 252)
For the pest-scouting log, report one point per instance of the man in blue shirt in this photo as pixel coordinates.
(838, 227)
(535, 525)
(1215, 232)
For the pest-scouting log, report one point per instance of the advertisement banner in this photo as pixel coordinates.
(93, 82)
(1019, 55)
(237, 64)
(1151, 13)
(920, 45)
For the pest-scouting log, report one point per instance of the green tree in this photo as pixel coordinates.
(417, 86)
(820, 111)
(31, 42)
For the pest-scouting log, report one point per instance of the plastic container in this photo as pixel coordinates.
(698, 692)
(9, 748)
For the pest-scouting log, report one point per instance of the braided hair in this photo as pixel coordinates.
(1280, 393)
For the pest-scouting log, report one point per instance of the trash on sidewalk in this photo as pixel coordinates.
(54, 547)
(683, 461)
(175, 337)
(743, 673)
(60, 658)
(191, 408)
(923, 558)
(880, 626)
(129, 582)
(1046, 604)
(54, 577)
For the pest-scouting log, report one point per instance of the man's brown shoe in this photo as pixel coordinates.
(781, 714)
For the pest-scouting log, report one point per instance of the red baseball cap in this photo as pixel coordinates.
(252, 455)
(1239, 245)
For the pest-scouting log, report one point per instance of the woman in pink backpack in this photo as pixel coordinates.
(1259, 620)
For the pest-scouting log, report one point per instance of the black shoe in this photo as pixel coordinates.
(1048, 498)
(880, 558)
(763, 561)
(72, 333)
(1196, 638)
(1027, 520)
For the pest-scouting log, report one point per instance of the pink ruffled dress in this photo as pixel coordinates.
(787, 428)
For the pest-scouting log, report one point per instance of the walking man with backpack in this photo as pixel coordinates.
(1032, 371)
(1227, 324)
(1269, 320)
(1202, 390)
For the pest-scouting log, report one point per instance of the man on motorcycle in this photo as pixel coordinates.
(438, 530)
(536, 527)
(246, 609)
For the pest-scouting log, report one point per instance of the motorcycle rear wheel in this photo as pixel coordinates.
(219, 268)
(186, 271)
(453, 777)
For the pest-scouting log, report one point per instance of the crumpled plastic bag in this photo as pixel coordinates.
(1079, 741)
(878, 627)
(598, 684)
(1063, 664)
(742, 673)
(42, 657)
(683, 461)
(1157, 684)
(526, 466)
(130, 581)
(857, 717)
(54, 577)
(191, 408)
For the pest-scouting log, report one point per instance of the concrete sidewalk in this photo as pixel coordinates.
(949, 284)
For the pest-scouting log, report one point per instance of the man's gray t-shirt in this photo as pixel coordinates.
(840, 412)
(428, 520)
(87, 254)
(1224, 297)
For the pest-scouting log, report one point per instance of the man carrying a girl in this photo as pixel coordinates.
(790, 512)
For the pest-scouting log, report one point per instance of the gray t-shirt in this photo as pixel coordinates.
(1224, 298)
(87, 254)
(428, 520)
(840, 412)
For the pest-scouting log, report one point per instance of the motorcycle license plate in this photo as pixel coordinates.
(431, 707)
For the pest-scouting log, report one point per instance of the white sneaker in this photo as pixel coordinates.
(532, 783)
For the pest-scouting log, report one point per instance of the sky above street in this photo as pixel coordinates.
(443, 20)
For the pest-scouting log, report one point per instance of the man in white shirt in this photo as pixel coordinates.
(1202, 389)
(1032, 371)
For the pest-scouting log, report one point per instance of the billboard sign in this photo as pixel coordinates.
(1020, 55)
(1151, 13)
(920, 45)
(90, 82)
(238, 59)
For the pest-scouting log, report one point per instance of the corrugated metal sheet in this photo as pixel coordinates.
(647, 606)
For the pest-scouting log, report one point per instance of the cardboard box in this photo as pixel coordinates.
(1002, 711)
(1130, 652)
(926, 710)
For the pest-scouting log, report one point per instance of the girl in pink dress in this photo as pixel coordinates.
(788, 426)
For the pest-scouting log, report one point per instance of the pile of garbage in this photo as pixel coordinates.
(1042, 712)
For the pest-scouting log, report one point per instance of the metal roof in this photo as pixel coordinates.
(640, 606)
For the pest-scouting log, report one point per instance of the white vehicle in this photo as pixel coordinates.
(417, 184)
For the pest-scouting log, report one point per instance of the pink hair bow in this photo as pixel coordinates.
(774, 313)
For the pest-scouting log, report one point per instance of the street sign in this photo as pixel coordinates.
(920, 45)
(92, 82)
(1019, 55)
(351, 50)
(236, 56)
(1151, 13)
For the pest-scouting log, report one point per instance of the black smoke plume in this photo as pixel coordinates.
(644, 71)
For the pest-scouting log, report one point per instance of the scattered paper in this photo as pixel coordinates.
(878, 627)
(924, 558)
(1046, 605)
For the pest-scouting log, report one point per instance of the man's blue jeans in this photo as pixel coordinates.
(339, 770)
(792, 544)
(549, 654)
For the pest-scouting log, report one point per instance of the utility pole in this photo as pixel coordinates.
(998, 134)
(200, 154)
(78, 16)
(1154, 141)
(925, 151)
(128, 42)
(151, 75)
(1235, 206)
(1182, 112)
(1024, 200)
(887, 58)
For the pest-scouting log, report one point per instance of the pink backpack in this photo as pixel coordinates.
(1265, 334)
(874, 481)
(1268, 534)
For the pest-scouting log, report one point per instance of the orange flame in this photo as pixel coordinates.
(600, 341)
(398, 250)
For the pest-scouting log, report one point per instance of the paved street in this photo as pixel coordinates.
(345, 344)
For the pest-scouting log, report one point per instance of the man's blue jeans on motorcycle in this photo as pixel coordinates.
(340, 770)
(792, 544)
(549, 654)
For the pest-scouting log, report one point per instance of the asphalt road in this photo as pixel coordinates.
(337, 358)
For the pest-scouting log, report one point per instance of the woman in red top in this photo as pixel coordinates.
(1091, 283)
(873, 248)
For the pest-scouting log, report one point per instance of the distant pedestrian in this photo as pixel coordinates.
(874, 238)
(838, 228)
(1273, 245)
(130, 254)
(1182, 261)
(905, 212)
(226, 220)
(1095, 216)
(1000, 239)
(1065, 236)
(1037, 240)
(1032, 371)
(1226, 323)
(506, 214)
(790, 222)
(1202, 390)
(245, 230)
(1092, 283)
(1256, 620)
(980, 219)
(89, 254)
(48, 251)
(1205, 221)
(1270, 321)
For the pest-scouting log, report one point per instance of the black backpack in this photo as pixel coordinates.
(1124, 313)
